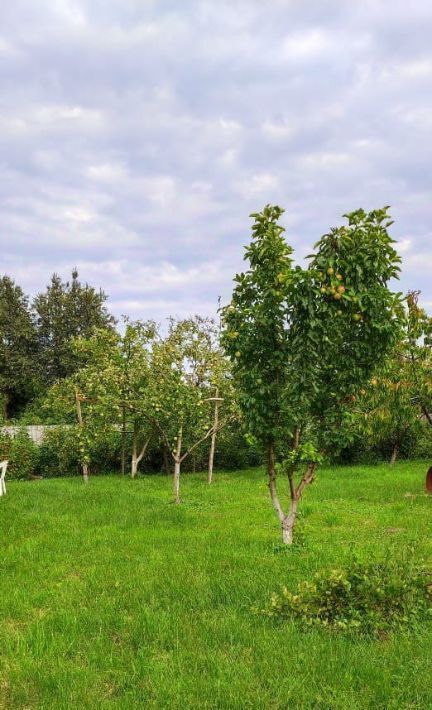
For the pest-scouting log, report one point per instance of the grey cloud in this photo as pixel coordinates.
(135, 138)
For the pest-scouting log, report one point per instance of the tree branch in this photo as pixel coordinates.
(144, 446)
(291, 482)
(272, 482)
(307, 478)
(427, 414)
(211, 431)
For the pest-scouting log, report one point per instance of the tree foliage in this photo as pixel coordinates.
(187, 368)
(304, 353)
(418, 348)
(304, 341)
(65, 311)
(18, 372)
(115, 381)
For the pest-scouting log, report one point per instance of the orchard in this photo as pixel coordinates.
(184, 499)
(309, 363)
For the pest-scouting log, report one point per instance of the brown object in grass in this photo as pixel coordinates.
(429, 481)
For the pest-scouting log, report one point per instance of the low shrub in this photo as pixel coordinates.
(234, 451)
(5, 446)
(105, 452)
(423, 447)
(415, 444)
(59, 452)
(22, 454)
(367, 598)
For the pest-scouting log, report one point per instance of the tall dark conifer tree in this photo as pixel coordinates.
(66, 310)
(18, 348)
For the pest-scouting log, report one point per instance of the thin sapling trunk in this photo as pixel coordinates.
(85, 469)
(427, 414)
(166, 463)
(394, 454)
(177, 464)
(134, 462)
(213, 438)
(137, 456)
(287, 520)
(123, 441)
(178, 457)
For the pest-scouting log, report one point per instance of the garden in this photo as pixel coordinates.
(228, 512)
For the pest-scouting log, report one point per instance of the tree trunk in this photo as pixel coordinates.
(213, 440)
(177, 464)
(394, 454)
(134, 465)
(287, 521)
(5, 406)
(287, 533)
(137, 457)
(176, 482)
(123, 442)
(271, 470)
(85, 469)
(427, 414)
(166, 462)
(85, 472)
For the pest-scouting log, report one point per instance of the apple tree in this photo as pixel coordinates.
(418, 353)
(114, 383)
(387, 413)
(183, 367)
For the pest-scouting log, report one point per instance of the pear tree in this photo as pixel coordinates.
(303, 341)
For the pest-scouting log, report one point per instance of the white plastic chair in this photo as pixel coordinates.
(3, 467)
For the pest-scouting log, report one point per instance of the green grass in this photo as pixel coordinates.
(111, 597)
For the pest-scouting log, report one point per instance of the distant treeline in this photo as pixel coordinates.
(36, 335)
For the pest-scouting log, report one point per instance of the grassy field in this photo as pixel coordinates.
(111, 597)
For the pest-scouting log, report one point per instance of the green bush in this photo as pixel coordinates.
(367, 598)
(105, 452)
(416, 444)
(423, 446)
(59, 452)
(22, 454)
(233, 450)
(5, 446)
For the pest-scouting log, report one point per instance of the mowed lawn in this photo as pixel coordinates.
(111, 597)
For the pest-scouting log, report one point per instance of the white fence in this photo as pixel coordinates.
(36, 432)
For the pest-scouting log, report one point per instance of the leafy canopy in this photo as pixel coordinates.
(304, 341)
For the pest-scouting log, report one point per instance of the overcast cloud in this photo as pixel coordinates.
(136, 136)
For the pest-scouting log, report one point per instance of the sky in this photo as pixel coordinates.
(136, 137)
